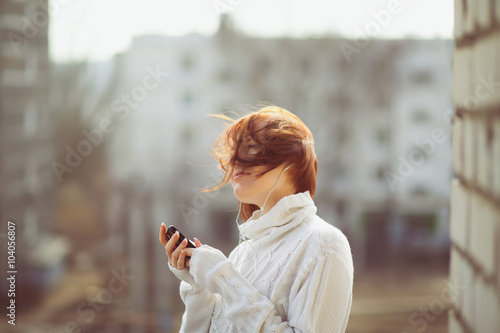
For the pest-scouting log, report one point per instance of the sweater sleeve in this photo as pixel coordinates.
(316, 295)
(199, 303)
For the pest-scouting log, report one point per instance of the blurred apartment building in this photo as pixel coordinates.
(380, 121)
(375, 119)
(27, 146)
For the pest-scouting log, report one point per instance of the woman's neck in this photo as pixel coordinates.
(273, 199)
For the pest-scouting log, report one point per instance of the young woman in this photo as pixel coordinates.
(294, 271)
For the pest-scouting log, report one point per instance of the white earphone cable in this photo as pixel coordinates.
(240, 235)
(265, 201)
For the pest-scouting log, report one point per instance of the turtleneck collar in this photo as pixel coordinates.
(286, 214)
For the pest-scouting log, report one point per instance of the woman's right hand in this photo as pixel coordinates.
(176, 256)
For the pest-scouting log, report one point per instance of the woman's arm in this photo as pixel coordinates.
(199, 303)
(199, 308)
(321, 296)
(320, 302)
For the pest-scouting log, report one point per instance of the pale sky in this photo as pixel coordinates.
(97, 29)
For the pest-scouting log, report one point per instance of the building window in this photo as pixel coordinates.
(380, 173)
(187, 62)
(420, 116)
(340, 207)
(187, 99)
(416, 155)
(341, 135)
(262, 65)
(339, 101)
(265, 63)
(306, 66)
(382, 101)
(31, 68)
(30, 120)
(187, 135)
(31, 176)
(382, 136)
(31, 226)
(419, 191)
(226, 75)
(339, 171)
(421, 77)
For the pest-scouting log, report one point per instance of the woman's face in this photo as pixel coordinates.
(250, 189)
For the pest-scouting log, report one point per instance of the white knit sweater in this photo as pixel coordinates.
(293, 274)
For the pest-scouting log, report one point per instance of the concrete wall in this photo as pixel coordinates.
(475, 191)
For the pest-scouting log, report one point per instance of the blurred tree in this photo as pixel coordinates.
(80, 95)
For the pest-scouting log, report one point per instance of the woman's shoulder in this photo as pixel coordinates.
(324, 237)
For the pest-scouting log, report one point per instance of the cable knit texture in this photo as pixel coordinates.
(294, 273)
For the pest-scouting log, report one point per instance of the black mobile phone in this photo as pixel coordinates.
(171, 231)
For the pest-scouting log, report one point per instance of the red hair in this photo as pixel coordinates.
(280, 137)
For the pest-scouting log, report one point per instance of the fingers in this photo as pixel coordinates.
(177, 256)
(171, 245)
(182, 260)
(177, 251)
(188, 251)
(163, 235)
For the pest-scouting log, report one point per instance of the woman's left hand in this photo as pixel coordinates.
(176, 256)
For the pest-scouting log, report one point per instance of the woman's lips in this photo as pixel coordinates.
(239, 174)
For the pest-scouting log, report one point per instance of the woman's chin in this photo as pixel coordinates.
(242, 194)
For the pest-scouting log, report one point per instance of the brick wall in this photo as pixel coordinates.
(475, 190)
